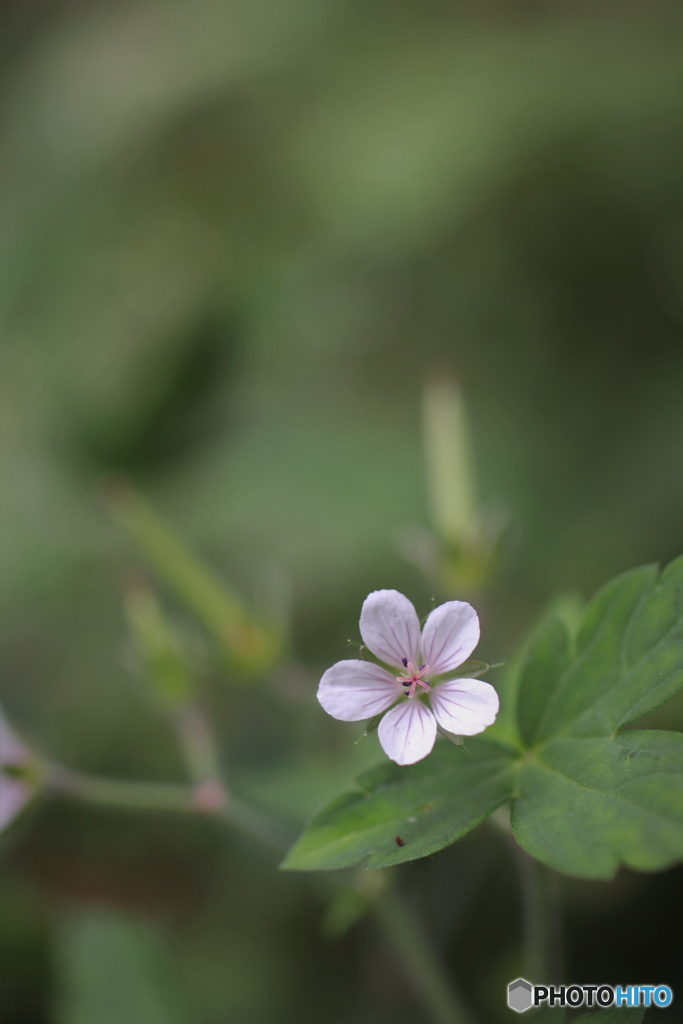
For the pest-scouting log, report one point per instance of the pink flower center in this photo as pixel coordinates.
(414, 679)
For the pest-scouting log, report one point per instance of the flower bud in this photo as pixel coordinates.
(165, 669)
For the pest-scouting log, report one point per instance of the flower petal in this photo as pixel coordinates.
(12, 750)
(390, 627)
(407, 732)
(464, 706)
(354, 690)
(449, 636)
(14, 793)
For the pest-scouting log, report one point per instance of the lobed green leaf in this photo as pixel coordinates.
(427, 806)
(585, 798)
(539, 676)
(585, 805)
(629, 659)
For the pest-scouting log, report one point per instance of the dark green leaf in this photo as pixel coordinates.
(427, 806)
(585, 798)
(629, 659)
(568, 608)
(585, 805)
(546, 660)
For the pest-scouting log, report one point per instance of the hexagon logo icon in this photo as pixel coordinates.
(520, 995)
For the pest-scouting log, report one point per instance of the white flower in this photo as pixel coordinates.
(354, 690)
(17, 768)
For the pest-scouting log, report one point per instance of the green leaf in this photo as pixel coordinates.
(568, 609)
(345, 910)
(629, 658)
(166, 670)
(585, 798)
(586, 804)
(546, 660)
(427, 806)
(112, 968)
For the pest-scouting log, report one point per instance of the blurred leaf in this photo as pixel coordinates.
(248, 645)
(431, 131)
(352, 901)
(346, 908)
(427, 806)
(112, 969)
(450, 464)
(165, 667)
(161, 400)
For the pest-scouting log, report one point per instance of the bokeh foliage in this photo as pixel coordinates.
(238, 236)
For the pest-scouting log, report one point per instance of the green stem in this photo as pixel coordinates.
(542, 920)
(271, 833)
(397, 920)
(168, 796)
(427, 974)
(198, 745)
(141, 796)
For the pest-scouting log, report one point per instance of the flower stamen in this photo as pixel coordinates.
(414, 679)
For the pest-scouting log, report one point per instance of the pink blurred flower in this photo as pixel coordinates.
(18, 778)
(354, 690)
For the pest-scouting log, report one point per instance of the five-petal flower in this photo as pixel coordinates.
(354, 690)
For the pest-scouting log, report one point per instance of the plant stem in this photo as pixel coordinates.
(169, 796)
(542, 920)
(270, 832)
(142, 796)
(400, 924)
(427, 974)
(198, 746)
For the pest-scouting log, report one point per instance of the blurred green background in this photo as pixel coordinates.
(238, 235)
